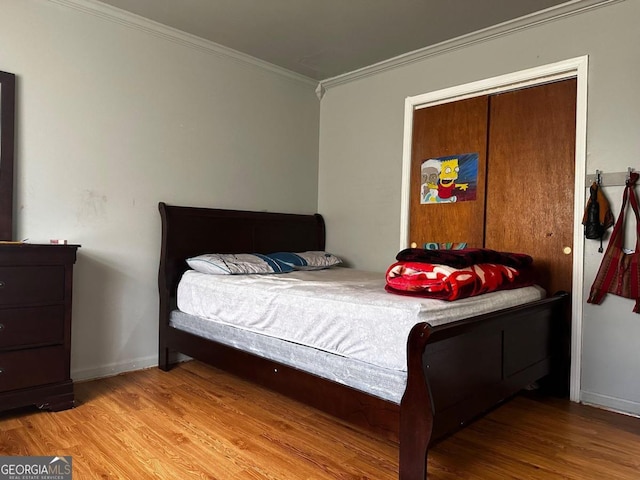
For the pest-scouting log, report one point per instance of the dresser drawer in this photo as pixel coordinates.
(32, 367)
(31, 284)
(31, 326)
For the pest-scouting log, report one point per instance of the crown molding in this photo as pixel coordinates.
(573, 7)
(137, 22)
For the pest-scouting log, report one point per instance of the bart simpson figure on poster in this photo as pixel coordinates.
(447, 181)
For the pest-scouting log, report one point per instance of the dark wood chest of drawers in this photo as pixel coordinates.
(36, 283)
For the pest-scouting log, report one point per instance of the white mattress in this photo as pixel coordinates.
(340, 310)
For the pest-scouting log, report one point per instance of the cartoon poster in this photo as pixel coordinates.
(449, 179)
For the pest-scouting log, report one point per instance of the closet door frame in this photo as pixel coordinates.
(571, 68)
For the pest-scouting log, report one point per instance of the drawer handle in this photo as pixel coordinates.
(2, 284)
(1, 327)
(1, 370)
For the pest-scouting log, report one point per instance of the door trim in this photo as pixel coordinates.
(571, 68)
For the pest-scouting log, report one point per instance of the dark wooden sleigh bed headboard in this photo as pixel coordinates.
(189, 231)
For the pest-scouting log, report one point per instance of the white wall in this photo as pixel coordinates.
(112, 119)
(361, 128)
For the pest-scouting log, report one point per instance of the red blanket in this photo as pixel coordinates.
(448, 283)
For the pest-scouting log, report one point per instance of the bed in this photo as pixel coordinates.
(454, 372)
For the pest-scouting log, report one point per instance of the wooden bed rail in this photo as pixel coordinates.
(458, 371)
(416, 409)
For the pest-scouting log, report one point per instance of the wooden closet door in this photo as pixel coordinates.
(439, 131)
(530, 183)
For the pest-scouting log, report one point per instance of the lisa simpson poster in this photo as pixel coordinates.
(449, 179)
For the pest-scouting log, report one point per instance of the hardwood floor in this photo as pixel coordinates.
(197, 422)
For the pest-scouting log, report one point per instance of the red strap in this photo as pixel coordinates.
(635, 274)
(612, 255)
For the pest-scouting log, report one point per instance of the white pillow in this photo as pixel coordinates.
(236, 264)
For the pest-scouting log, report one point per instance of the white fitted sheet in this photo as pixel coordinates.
(342, 311)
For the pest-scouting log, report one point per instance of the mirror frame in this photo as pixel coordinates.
(7, 132)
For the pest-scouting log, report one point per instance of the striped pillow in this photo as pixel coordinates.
(236, 264)
(311, 260)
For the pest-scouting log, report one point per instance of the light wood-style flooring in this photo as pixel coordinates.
(197, 422)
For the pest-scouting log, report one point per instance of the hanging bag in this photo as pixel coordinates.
(597, 217)
(619, 273)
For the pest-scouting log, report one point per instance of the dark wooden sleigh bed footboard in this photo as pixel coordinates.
(456, 371)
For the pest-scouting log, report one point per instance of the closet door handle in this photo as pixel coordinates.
(2, 284)
(1, 327)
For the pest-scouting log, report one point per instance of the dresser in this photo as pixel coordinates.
(36, 283)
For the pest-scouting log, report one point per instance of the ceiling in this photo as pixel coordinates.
(321, 39)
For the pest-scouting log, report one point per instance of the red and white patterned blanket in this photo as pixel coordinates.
(450, 283)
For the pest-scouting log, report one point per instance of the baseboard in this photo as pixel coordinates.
(116, 368)
(611, 403)
(111, 369)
